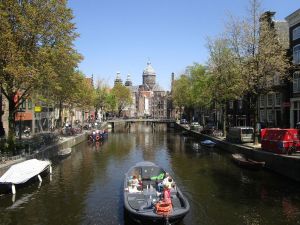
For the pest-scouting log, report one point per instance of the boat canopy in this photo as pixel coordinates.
(22, 172)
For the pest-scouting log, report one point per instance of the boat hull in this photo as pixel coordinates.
(247, 163)
(154, 219)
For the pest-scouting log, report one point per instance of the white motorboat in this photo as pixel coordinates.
(21, 173)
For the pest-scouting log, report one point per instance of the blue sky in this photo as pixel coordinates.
(121, 35)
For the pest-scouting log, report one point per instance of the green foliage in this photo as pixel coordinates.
(36, 50)
(225, 78)
(192, 89)
(122, 95)
(111, 102)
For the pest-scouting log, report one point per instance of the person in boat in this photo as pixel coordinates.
(167, 181)
(134, 184)
(167, 195)
(134, 181)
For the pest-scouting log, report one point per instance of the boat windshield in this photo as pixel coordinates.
(153, 173)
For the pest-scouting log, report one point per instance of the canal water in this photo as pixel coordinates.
(86, 188)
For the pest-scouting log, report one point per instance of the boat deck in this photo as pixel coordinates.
(146, 199)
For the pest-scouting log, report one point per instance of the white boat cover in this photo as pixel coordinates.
(22, 172)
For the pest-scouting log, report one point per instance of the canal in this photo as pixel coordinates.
(86, 188)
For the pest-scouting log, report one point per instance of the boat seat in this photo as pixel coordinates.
(148, 183)
(136, 200)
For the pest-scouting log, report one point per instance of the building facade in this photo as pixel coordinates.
(294, 36)
(149, 99)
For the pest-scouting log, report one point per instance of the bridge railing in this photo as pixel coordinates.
(161, 120)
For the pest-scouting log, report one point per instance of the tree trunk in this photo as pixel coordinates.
(255, 119)
(11, 139)
(224, 119)
(59, 124)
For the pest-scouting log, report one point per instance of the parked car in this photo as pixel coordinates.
(280, 141)
(240, 134)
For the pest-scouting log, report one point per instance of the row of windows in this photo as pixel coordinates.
(296, 33)
(23, 105)
(273, 99)
(240, 104)
(296, 82)
(296, 54)
(270, 116)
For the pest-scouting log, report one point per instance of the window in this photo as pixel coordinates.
(262, 115)
(230, 104)
(296, 33)
(296, 54)
(270, 100)
(29, 104)
(277, 99)
(240, 104)
(262, 101)
(23, 105)
(296, 82)
(270, 115)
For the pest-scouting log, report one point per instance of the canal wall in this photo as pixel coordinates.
(286, 165)
(48, 152)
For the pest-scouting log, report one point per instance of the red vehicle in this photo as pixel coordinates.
(280, 141)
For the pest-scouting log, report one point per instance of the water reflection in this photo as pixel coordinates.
(86, 188)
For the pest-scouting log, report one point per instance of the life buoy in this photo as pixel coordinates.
(163, 208)
(97, 138)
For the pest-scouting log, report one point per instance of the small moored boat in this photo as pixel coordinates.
(208, 143)
(144, 203)
(63, 153)
(22, 172)
(242, 161)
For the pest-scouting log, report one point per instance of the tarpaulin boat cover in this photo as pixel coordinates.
(22, 172)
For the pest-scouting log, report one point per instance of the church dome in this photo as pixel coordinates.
(149, 70)
(118, 79)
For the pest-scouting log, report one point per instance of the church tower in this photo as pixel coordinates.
(118, 80)
(128, 81)
(149, 76)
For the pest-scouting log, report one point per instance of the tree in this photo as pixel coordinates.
(191, 89)
(201, 91)
(123, 97)
(225, 78)
(182, 93)
(32, 34)
(260, 54)
(101, 96)
(111, 102)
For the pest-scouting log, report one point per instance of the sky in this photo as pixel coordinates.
(123, 35)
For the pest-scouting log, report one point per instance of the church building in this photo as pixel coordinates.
(149, 99)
